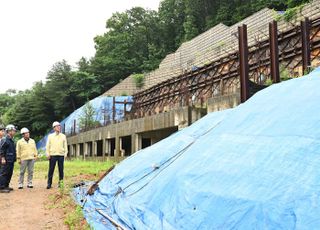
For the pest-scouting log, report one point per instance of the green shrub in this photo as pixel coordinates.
(290, 14)
(74, 219)
(268, 82)
(284, 73)
(138, 80)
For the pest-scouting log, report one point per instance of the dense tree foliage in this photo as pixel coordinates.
(135, 41)
(131, 44)
(64, 91)
(138, 39)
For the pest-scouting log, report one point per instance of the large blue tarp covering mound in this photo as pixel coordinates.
(256, 166)
(103, 112)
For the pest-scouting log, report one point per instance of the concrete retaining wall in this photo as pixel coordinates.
(87, 144)
(119, 140)
(223, 102)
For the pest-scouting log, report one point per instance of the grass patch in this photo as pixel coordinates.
(75, 219)
(75, 171)
(72, 169)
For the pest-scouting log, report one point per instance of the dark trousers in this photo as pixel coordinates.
(52, 164)
(6, 172)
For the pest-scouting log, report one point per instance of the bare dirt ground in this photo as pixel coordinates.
(26, 209)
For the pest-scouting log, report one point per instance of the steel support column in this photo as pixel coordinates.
(117, 148)
(306, 53)
(104, 148)
(244, 65)
(274, 51)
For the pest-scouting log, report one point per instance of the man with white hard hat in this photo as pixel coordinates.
(26, 155)
(7, 159)
(2, 129)
(57, 150)
(2, 133)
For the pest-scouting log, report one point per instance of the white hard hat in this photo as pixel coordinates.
(56, 123)
(24, 130)
(11, 127)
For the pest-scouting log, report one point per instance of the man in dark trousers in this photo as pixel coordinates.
(7, 157)
(57, 150)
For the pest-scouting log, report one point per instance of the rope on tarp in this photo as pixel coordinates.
(169, 161)
(112, 221)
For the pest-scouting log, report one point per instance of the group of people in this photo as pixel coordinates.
(25, 153)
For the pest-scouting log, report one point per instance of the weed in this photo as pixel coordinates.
(268, 82)
(290, 14)
(284, 73)
(138, 80)
(74, 219)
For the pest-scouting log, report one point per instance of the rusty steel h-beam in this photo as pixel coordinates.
(221, 76)
(306, 53)
(274, 51)
(244, 62)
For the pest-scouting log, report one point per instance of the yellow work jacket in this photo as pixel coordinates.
(57, 145)
(26, 150)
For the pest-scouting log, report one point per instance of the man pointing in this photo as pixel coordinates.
(57, 150)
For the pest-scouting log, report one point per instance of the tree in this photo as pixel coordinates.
(59, 80)
(42, 112)
(6, 101)
(84, 86)
(83, 65)
(20, 112)
(32, 109)
(294, 3)
(87, 119)
(128, 46)
(172, 17)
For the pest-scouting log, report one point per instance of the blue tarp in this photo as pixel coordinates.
(256, 166)
(103, 112)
